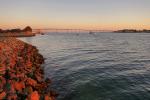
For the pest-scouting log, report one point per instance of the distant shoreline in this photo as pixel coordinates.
(17, 35)
(132, 31)
(26, 32)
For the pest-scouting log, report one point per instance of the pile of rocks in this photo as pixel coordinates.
(21, 74)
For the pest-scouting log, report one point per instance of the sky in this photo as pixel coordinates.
(83, 14)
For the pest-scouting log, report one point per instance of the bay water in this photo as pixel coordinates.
(101, 66)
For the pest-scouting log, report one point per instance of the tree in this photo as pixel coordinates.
(1, 31)
(15, 30)
(27, 29)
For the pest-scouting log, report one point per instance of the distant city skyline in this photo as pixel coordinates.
(76, 14)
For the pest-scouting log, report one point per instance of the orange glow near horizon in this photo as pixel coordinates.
(80, 23)
(77, 26)
(78, 14)
(86, 24)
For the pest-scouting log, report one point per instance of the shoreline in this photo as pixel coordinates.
(21, 74)
(17, 35)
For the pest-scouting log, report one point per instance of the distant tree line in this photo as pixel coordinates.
(26, 29)
(132, 31)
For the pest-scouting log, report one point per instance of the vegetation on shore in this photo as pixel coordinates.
(132, 31)
(26, 29)
(26, 32)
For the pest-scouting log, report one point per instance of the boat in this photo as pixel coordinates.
(42, 33)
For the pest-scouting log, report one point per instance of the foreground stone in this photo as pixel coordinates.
(21, 75)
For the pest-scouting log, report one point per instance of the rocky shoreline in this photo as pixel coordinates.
(21, 74)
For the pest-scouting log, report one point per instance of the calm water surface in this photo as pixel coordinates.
(104, 66)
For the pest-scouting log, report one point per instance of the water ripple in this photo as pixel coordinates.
(106, 66)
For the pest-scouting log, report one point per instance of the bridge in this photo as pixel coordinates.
(57, 30)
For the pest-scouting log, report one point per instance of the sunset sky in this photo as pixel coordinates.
(85, 14)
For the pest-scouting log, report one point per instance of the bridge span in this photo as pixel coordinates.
(56, 30)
